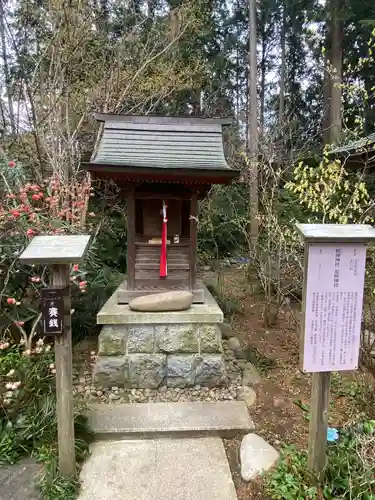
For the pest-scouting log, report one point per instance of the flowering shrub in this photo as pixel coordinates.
(28, 209)
(330, 194)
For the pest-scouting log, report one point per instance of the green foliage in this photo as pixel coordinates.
(290, 481)
(350, 471)
(330, 194)
(223, 221)
(28, 424)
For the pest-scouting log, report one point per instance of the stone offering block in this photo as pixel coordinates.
(63, 249)
(163, 302)
(143, 349)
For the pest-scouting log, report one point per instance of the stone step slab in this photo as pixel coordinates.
(157, 469)
(169, 419)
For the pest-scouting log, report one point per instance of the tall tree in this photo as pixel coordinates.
(253, 129)
(8, 81)
(336, 35)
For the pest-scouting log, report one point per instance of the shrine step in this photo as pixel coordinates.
(113, 421)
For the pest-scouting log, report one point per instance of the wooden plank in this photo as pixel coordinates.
(64, 379)
(158, 120)
(319, 423)
(192, 146)
(176, 157)
(153, 274)
(171, 245)
(131, 238)
(162, 196)
(147, 135)
(172, 266)
(212, 128)
(193, 240)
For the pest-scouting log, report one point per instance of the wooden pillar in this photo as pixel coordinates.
(64, 378)
(131, 239)
(319, 423)
(193, 241)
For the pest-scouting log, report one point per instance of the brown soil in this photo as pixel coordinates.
(278, 416)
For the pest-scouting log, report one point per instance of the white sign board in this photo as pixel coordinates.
(60, 249)
(333, 306)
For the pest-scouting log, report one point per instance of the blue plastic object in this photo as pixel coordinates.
(332, 434)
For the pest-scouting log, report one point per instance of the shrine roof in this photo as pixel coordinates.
(160, 143)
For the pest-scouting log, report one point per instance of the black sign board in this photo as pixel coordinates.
(53, 310)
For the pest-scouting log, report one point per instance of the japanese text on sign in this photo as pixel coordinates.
(53, 311)
(333, 306)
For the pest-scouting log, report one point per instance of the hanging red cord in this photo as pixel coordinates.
(163, 250)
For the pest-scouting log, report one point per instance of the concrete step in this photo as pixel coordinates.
(224, 419)
(157, 469)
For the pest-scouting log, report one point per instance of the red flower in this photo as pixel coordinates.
(12, 164)
(35, 197)
(75, 267)
(11, 301)
(30, 232)
(82, 284)
(35, 187)
(15, 213)
(40, 194)
(19, 323)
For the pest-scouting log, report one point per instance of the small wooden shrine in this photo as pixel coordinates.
(165, 165)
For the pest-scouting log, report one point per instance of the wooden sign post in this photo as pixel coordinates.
(334, 272)
(59, 252)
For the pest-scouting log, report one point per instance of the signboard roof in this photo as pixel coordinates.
(336, 232)
(62, 249)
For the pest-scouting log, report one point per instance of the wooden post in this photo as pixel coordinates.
(193, 241)
(131, 239)
(319, 423)
(333, 288)
(64, 379)
(59, 252)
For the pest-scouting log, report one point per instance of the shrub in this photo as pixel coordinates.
(28, 424)
(350, 471)
(28, 209)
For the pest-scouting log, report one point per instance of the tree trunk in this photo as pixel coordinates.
(8, 82)
(336, 68)
(263, 72)
(282, 74)
(253, 132)
(326, 125)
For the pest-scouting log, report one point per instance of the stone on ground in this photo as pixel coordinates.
(162, 469)
(248, 395)
(256, 456)
(19, 481)
(250, 375)
(169, 418)
(226, 331)
(162, 302)
(234, 343)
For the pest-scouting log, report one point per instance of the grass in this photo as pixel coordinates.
(28, 422)
(349, 474)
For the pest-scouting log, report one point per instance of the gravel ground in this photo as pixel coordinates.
(84, 388)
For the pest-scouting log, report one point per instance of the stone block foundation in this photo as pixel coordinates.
(146, 352)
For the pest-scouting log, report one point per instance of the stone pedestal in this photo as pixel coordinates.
(147, 350)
